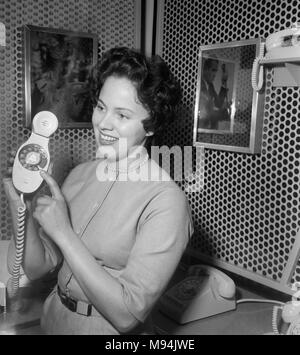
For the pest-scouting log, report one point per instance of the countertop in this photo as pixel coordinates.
(247, 319)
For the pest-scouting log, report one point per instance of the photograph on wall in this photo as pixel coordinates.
(217, 95)
(58, 67)
(228, 112)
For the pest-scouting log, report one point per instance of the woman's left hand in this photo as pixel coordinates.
(52, 212)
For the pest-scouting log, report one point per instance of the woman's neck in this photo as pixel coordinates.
(136, 157)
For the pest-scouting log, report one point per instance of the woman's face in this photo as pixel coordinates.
(117, 119)
(211, 72)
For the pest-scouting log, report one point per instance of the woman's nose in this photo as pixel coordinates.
(106, 121)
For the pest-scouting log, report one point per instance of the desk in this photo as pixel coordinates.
(246, 319)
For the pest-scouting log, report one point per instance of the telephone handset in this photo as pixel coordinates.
(33, 155)
(280, 47)
(206, 291)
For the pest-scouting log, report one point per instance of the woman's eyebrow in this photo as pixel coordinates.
(100, 102)
(124, 109)
(117, 108)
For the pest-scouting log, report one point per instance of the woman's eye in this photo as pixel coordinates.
(100, 107)
(123, 117)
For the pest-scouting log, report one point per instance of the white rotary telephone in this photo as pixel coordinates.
(33, 155)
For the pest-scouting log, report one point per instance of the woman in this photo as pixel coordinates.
(118, 230)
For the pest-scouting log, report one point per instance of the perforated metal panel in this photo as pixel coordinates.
(247, 214)
(115, 23)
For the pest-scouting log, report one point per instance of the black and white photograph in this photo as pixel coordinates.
(58, 68)
(217, 95)
(150, 171)
(227, 108)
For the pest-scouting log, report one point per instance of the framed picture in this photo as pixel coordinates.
(228, 112)
(58, 66)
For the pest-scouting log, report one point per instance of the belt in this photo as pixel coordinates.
(73, 305)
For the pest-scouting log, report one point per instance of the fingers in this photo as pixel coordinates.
(9, 189)
(38, 210)
(36, 213)
(43, 200)
(50, 169)
(54, 188)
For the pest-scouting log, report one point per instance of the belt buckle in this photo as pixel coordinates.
(84, 308)
(71, 304)
(79, 307)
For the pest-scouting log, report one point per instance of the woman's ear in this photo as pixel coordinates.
(149, 134)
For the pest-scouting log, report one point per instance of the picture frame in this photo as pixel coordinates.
(57, 71)
(228, 113)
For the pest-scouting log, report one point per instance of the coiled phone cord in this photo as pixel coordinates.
(20, 238)
(275, 320)
(257, 70)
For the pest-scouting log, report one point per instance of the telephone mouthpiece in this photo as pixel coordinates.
(44, 123)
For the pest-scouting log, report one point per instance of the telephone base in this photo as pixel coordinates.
(188, 301)
(183, 318)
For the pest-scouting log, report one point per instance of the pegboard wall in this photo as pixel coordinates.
(247, 213)
(115, 23)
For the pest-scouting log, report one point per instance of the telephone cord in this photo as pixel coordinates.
(275, 320)
(20, 238)
(256, 63)
(274, 312)
(257, 300)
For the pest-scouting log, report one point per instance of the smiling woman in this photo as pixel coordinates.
(119, 116)
(116, 241)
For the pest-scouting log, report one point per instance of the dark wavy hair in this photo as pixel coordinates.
(157, 89)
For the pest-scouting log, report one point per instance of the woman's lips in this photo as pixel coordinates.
(106, 139)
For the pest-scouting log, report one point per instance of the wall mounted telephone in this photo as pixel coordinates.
(282, 46)
(206, 291)
(31, 157)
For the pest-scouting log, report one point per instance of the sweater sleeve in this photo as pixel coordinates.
(163, 233)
